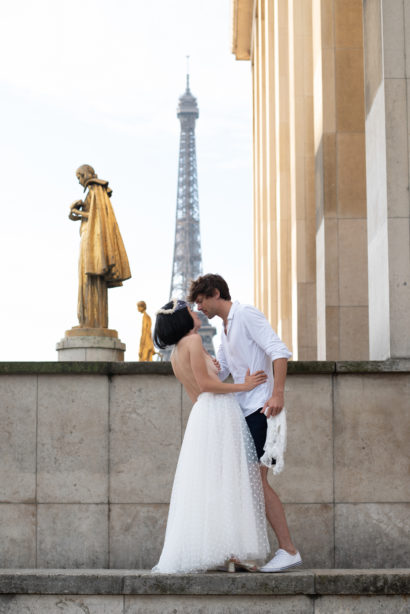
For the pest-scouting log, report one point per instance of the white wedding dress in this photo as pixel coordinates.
(217, 507)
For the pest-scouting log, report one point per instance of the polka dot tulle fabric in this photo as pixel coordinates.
(217, 507)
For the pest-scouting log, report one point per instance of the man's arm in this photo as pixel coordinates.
(275, 404)
(262, 333)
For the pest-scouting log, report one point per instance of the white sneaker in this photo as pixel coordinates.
(281, 561)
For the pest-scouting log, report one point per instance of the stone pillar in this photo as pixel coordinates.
(387, 72)
(339, 130)
(303, 180)
(277, 37)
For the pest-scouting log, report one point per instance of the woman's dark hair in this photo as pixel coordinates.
(171, 327)
(206, 285)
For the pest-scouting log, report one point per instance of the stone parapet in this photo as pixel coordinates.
(398, 365)
(89, 452)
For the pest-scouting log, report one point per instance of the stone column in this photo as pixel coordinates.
(303, 179)
(387, 72)
(341, 234)
(284, 204)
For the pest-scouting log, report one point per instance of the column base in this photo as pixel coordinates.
(91, 344)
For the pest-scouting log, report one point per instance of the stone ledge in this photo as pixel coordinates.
(401, 365)
(362, 581)
(86, 368)
(141, 582)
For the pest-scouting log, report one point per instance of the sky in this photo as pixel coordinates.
(97, 82)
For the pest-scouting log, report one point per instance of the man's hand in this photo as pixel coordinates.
(274, 405)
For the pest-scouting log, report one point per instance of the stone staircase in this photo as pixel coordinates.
(106, 591)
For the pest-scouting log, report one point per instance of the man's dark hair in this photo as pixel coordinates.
(171, 327)
(206, 285)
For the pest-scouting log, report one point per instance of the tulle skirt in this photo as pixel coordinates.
(217, 508)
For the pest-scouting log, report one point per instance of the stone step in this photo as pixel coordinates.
(108, 591)
(143, 582)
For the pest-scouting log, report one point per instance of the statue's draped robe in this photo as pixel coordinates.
(146, 344)
(103, 261)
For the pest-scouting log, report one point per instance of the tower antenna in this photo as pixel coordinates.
(187, 72)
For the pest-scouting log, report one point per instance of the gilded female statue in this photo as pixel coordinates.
(103, 261)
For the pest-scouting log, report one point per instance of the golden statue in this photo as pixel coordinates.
(147, 349)
(103, 261)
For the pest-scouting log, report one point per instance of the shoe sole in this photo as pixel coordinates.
(282, 568)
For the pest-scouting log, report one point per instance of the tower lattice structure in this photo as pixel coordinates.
(187, 260)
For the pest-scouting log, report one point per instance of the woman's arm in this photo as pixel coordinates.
(207, 383)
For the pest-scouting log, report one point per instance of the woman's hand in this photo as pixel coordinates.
(257, 378)
(216, 363)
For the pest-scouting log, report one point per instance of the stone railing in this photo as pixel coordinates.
(88, 454)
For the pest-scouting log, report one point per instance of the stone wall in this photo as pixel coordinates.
(89, 452)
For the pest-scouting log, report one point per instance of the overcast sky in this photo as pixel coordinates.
(97, 82)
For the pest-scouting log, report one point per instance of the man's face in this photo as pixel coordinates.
(195, 317)
(208, 304)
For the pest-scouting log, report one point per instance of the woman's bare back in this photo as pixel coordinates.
(181, 364)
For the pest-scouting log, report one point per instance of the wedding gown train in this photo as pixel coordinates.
(217, 506)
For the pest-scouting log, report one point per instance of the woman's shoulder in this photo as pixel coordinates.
(193, 339)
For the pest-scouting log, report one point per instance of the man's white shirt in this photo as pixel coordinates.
(249, 343)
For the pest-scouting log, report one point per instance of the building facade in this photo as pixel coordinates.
(331, 172)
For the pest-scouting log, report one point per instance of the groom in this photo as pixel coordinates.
(248, 342)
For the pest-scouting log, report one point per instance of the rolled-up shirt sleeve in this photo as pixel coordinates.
(259, 329)
(224, 371)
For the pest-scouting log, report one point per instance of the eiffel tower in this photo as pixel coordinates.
(187, 261)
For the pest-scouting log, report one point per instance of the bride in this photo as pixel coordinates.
(217, 510)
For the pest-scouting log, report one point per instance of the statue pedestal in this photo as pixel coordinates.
(91, 344)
